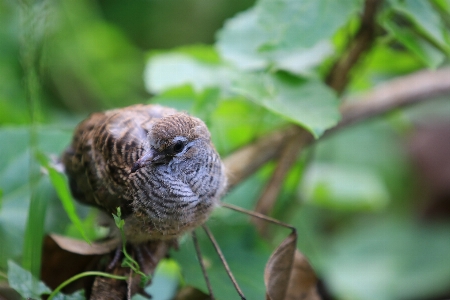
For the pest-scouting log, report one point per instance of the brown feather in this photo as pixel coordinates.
(164, 197)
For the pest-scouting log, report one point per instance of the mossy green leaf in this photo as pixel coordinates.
(24, 283)
(307, 102)
(289, 35)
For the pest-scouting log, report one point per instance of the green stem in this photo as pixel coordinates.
(128, 260)
(84, 274)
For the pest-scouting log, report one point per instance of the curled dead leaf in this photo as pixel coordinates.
(64, 257)
(303, 280)
(278, 268)
(83, 248)
(288, 274)
(59, 263)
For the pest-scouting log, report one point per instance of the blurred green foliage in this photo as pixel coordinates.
(353, 196)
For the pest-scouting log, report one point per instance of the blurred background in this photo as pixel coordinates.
(91, 55)
(371, 202)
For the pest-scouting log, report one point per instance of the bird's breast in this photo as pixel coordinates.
(173, 199)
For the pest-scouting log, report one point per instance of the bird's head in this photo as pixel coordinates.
(174, 136)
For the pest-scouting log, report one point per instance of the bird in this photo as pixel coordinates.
(156, 164)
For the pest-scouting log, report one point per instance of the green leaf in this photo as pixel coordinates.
(180, 67)
(237, 121)
(16, 175)
(181, 98)
(24, 283)
(34, 232)
(201, 53)
(118, 219)
(343, 187)
(185, 98)
(239, 40)
(190, 79)
(290, 35)
(78, 295)
(29, 287)
(59, 182)
(426, 20)
(307, 102)
(303, 23)
(430, 55)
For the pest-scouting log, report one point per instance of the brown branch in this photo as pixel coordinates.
(288, 156)
(202, 265)
(417, 87)
(258, 215)
(363, 40)
(249, 159)
(396, 93)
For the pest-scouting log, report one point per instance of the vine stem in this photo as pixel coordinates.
(202, 265)
(224, 262)
(84, 274)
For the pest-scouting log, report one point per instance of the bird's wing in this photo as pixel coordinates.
(104, 148)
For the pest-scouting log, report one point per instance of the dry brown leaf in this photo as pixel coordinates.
(59, 265)
(288, 274)
(279, 267)
(83, 248)
(65, 257)
(303, 280)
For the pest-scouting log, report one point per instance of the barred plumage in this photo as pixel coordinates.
(159, 166)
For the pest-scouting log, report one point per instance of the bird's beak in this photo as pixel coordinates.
(147, 158)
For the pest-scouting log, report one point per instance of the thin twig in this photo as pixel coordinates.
(257, 215)
(202, 265)
(116, 257)
(130, 278)
(224, 262)
(287, 158)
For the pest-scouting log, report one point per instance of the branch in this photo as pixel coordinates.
(247, 160)
(417, 87)
(363, 40)
(287, 158)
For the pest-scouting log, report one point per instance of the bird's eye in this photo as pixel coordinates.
(178, 147)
